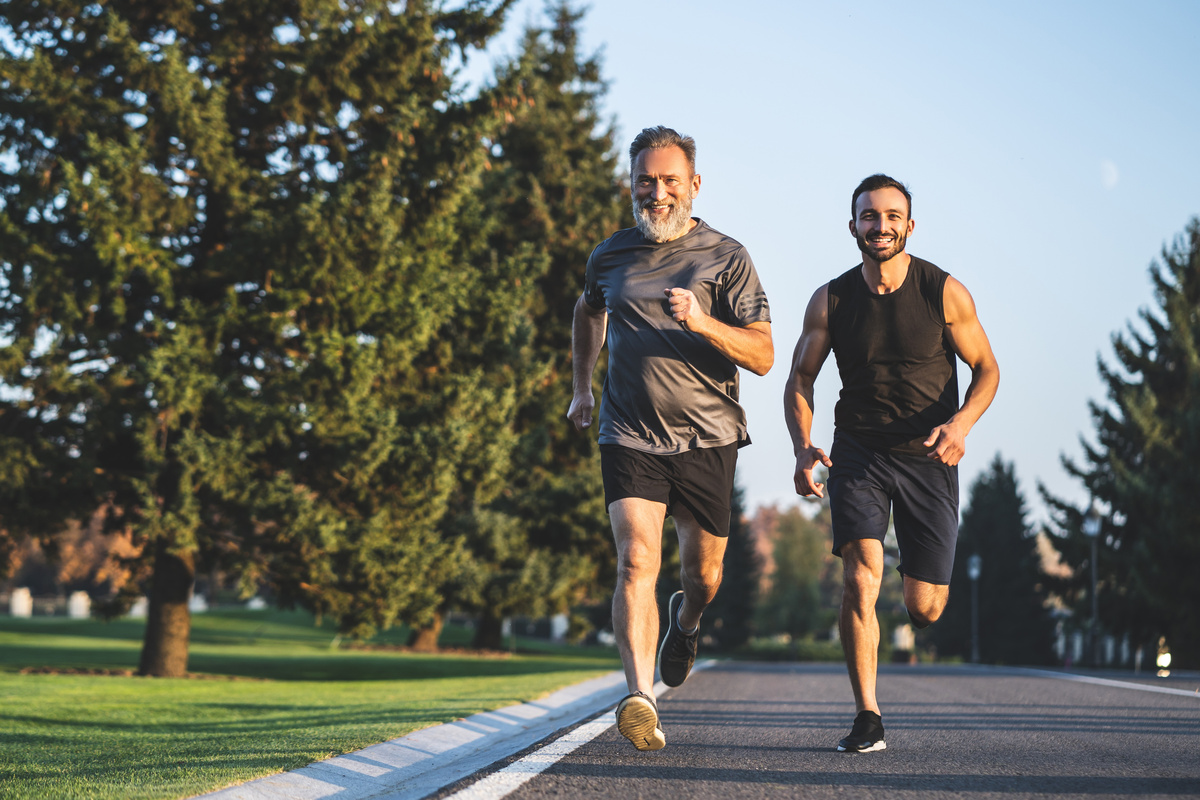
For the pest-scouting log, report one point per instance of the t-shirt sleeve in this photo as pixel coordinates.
(745, 300)
(593, 295)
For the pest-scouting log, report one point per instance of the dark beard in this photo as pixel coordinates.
(896, 249)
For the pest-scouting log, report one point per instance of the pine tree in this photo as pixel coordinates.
(230, 244)
(1014, 625)
(542, 543)
(1142, 470)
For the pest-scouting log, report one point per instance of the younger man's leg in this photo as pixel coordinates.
(862, 570)
(925, 601)
(862, 575)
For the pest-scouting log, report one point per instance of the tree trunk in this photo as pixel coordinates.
(168, 619)
(488, 632)
(425, 640)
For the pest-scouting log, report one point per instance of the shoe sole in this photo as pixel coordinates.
(638, 722)
(672, 622)
(880, 745)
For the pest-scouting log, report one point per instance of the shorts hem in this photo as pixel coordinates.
(923, 580)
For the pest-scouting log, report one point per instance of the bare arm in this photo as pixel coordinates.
(750, 347)
(811, 351)
(588, 329)
(971, 344)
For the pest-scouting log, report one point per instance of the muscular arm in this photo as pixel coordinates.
(587, 337)
(750, 347)
(811, 351)
(971, 344)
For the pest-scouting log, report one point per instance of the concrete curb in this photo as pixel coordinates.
(419, 764)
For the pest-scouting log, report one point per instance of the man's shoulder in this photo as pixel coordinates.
(705, 235)
(846, 281)
(925, 267)
(619, 242)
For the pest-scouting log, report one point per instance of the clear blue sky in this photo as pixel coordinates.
(1052, 149)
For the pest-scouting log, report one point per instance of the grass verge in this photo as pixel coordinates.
(269, 693)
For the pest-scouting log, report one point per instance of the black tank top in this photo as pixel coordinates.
(899, 379)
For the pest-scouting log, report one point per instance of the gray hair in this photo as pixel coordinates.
(660, 137)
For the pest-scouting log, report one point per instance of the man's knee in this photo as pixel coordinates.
(925, 607)
(638, 561)
(701, 582)
(921, 619)
(862, 576)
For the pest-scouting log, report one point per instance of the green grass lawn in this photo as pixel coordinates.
(272, 692)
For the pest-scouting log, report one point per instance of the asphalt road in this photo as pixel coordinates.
(740, 730)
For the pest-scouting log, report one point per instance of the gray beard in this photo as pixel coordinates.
(667, 229)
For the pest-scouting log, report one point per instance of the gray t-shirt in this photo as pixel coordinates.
(667, 389)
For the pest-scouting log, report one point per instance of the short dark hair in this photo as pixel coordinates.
(660, 137)
(879, 181)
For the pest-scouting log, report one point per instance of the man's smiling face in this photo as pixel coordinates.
(881, 224)
(662, 191)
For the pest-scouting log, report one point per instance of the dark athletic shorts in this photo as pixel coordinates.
(922, 494)
(700, 479)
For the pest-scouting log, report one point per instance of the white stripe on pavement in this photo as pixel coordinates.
(502, 783)
(1141, 687)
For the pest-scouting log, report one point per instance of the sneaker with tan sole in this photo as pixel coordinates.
(637, 720)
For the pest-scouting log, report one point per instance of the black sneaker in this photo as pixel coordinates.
(678, 651)
(866, 736)
(637, 720)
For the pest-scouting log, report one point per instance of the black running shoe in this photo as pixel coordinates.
(678, 651)
(637, 720)
(866, 736)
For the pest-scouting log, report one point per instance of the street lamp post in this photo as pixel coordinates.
(1091, 529)
(974, 564)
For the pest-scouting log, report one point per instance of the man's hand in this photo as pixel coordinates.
(580, 413)
(686, 309)
(949, 443)
(806, 461)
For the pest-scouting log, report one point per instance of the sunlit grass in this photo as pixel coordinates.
(271, 693)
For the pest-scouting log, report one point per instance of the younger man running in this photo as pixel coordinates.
(895, 324)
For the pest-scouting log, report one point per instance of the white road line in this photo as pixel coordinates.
(504, 782)
(1141, 687)
(501, 784)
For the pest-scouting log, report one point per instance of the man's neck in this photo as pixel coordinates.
(691, 226)
(885, 277)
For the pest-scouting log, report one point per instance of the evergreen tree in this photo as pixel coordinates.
(730, 618)
(229, 248)
(543, 543)
(1014, 624)
(1142, 470)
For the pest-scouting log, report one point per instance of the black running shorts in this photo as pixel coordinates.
(866, 485)
(700, 479)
